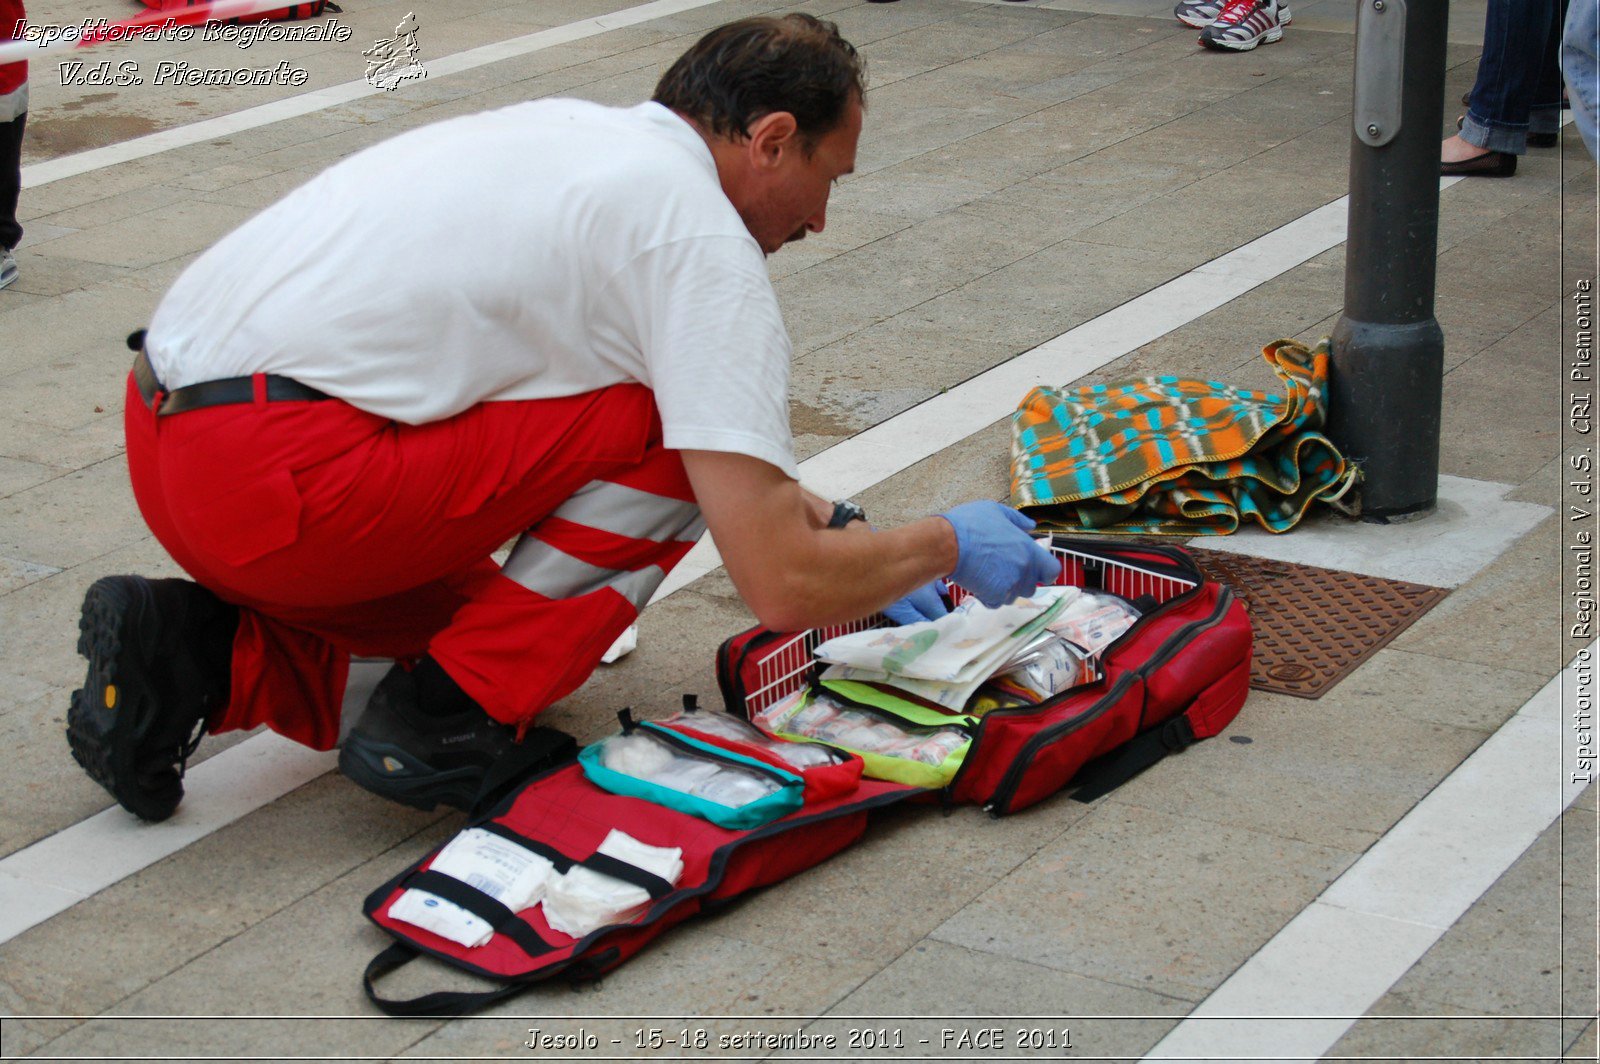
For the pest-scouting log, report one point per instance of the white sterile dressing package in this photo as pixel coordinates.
(583, 900)
(969, 640)
(445, 919)
(512, 875)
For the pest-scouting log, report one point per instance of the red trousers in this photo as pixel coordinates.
(341, 533)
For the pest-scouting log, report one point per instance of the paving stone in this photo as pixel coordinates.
(1128, 895)
(1536, 927)
(1341, 770)
(902, 887)
(1514, 373)
(71, 518)
(1428, 1027)
(152, 237)
(41, 618)
(975, 468)
(1546, 485)
(72, 389)
(70, 448)
(937, 979)
(172, 916)
(1583, 1046)
(861, 380)
(88, 320)
(41, 274)
(113, 208)
(262, 192)
(1502, 616)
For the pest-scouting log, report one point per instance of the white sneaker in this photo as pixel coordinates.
(1243, 24)
(8, 267)
(1202, 13)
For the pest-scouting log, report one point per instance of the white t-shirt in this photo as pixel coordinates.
(542, 250)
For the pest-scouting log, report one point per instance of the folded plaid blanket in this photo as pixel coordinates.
(1176, 457)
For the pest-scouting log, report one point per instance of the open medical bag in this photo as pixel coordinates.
(565, 817)
(746, 810)
(1177, 675)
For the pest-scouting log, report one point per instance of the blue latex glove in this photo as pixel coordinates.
(926, 603)
(996, 559)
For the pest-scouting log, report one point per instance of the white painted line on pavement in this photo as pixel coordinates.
(1342, 953)
(321, 99)
(59, 871)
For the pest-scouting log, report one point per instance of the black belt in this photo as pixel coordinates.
(212, 393)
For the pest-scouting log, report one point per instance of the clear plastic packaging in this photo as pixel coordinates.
(819, 717)
(1051, 665)
(646, 757)
(1093, 620)
(723, 726)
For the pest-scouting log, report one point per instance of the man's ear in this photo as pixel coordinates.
(772, 135)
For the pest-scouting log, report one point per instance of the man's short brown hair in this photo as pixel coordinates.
(744, 70)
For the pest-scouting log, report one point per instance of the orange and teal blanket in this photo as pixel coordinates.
(1175, 457)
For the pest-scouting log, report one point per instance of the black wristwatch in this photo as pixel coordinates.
(845, 511)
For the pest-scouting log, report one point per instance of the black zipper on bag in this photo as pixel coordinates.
(672, 738)
(818, 690)
(1007, 787)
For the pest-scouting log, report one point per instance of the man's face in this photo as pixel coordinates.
(790, 198)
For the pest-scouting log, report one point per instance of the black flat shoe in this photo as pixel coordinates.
(1543, 140)
(1489, 164)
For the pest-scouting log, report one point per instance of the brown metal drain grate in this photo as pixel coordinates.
(1313, 625)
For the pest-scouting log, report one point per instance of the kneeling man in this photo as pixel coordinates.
(551, 321)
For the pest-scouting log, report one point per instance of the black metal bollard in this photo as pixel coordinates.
(1387, 376)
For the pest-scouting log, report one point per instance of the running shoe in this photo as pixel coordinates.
(1202, 13)
(1243, 24)
(8, 267)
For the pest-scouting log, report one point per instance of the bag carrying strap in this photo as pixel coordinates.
(1106, 774)
(649, 882)
(481, 905)
(438, 1003)
(540, 750)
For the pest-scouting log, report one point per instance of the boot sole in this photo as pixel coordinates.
(409, 782)
(103, 719)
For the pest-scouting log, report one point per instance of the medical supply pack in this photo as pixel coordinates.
(1133, 655)
(569, 878)
(1162, 660)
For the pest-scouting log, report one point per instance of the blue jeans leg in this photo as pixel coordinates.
(1580, 62)
(1519, 81)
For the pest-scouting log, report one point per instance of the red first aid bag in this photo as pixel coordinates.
(1179, 674)
(564, 817)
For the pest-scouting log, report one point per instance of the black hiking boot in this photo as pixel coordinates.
(160, 654)
(410, 749)
(424, 742)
